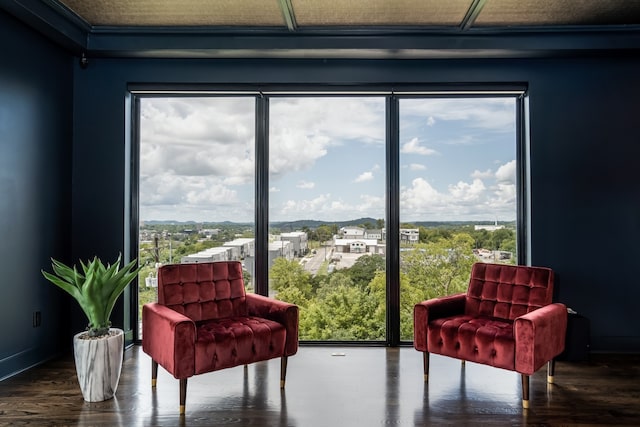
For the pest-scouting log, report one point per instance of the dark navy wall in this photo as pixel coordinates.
(585, 146)
(586, 198)
(35, 193)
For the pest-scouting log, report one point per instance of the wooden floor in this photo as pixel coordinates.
(329, 386)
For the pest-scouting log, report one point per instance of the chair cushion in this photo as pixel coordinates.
(483, 340)
(507, 291)
(203, 291)
(233, 341)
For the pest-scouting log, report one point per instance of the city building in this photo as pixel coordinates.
(298, 241)
(409, 235)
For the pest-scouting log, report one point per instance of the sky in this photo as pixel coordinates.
(327, 159)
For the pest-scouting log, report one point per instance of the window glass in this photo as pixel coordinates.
(327, 208)
(458, 194)
(196, 184)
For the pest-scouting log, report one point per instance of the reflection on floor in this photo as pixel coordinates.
(335, 386)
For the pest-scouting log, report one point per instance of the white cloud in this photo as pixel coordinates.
(460, 140)
(363, 177)
(463, 200)
(463, 192)
(306, 185)
(504, 194)
(507, 173)
(482, 175)
(414, 147)
(198, 162)
(198, 137)
(494, 114)
(304, 129)
(304, 208)
(328, 208)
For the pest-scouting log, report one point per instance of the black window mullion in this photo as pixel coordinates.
(393, 220)
(522, 181)
(261, 274)
(134, 212)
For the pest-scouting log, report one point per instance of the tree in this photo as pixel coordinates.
(482, 238)
(289, 274)
(508, 245)
(365, 268)
(341, 311)
(426, 235)
(500, 236)
(323, 233)
(337, 280)
(441, 267)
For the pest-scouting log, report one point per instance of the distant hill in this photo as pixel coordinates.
(312, 224)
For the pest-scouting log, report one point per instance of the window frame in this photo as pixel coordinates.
(393, 94)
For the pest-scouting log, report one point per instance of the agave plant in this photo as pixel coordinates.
(96, 288)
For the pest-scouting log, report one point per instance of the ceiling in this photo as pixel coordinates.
(340, 28)
(301, 15)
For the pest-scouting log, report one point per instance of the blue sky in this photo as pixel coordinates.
(327, 159)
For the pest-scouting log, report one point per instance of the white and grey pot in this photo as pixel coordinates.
(98, 364)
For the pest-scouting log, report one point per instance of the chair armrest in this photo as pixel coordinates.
(436, 308)
(169, 338)
(278, 311)
(539, 336)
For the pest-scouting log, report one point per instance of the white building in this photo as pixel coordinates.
(280, 249)
(219, 253)
(298, 240)
(493, 227)
(242, 247)
(376, 234)
(357, 246)
(409, 235)
(351, 233)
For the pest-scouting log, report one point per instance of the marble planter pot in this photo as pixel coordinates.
(98, 364)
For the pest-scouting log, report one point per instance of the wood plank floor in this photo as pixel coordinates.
(367, 386)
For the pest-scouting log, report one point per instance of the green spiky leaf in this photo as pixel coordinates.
(96, 288)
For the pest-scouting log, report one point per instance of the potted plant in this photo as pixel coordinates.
(98, 351)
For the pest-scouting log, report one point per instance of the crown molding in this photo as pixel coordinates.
(62, 26)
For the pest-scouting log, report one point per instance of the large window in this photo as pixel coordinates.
(326, 211)
(458, 193)
(196, 183)
(373, 202)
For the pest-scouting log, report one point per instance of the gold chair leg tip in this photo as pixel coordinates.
(426, 378)
(525, 404)
(182, 409)
(154, 382)
(550, 379)
(281, 383)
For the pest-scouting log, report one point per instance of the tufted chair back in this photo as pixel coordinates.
(203, 291)
(507, 291)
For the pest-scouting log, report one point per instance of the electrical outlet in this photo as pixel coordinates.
(37, 319)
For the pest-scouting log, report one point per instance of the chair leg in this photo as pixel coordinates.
(525, 391)
(283, 370)
(183, 395)
(551, 370)
(154, 373)
(425, 363)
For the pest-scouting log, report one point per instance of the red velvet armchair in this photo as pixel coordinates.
(505, 319)
(204, 321)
